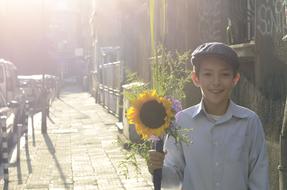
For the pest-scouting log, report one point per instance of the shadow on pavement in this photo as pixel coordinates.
(51, 120)
(52, 151)
(28, 159)
(6, 186)
(19, 172)
(33, 130)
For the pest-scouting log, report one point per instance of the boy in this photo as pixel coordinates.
(228, 150)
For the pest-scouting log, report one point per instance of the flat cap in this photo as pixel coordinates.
(217, 49)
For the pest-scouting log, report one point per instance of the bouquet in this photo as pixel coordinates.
(154, 117)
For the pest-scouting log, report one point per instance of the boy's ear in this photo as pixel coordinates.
(236, 79)
(195, 79)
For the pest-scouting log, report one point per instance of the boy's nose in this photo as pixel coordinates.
(216, 80)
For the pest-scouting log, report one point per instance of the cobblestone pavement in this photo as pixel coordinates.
(80, 151)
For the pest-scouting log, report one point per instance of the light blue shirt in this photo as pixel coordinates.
(225, 154)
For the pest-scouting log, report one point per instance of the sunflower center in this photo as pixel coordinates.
(152, 114)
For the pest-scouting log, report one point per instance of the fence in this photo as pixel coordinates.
(109, 87)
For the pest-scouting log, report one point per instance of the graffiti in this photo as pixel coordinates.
(209, 20)
(270, 17)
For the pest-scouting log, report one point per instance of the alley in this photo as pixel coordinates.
(80, 150)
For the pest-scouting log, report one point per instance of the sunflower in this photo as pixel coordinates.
(151, 114)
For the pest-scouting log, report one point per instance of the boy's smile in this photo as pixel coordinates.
(216, 80)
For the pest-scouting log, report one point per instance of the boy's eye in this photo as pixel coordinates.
(207, 74)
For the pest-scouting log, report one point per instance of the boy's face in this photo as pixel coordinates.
(216, 80)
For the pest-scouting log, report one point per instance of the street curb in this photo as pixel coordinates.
(123, 141)
(120, 127)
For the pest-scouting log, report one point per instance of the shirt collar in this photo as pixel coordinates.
(198, 109)
(232, 110)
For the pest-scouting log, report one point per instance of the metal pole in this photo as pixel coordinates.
(283, 153)
(26, 115)
(5, 149)
(44, 120)
(44, 109)
(19, 128)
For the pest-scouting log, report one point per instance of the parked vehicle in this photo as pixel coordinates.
(11, 104)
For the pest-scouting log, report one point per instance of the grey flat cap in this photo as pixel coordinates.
(217, 49)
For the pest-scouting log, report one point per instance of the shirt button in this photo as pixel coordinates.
(216, 163)
(217, 184)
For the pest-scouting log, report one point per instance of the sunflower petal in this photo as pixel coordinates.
(133, 115)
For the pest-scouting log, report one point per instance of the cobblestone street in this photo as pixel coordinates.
(80, 150)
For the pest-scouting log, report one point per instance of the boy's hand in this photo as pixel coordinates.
(155, 160)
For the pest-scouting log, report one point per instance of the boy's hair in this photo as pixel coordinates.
(215, 49)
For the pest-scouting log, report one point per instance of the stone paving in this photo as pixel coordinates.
(80, 151)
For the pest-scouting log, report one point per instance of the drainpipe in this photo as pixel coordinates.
(283, 153)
